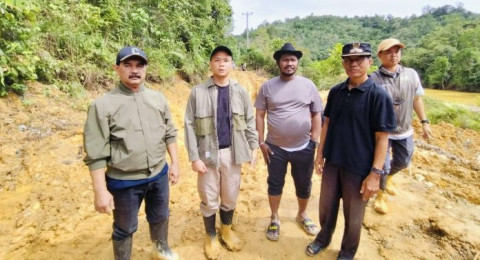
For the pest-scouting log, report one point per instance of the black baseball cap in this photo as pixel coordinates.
(130, 51)
(221, 48)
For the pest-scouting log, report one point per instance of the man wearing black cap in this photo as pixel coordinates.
(219, 135)
(353, 144)
(127, 134)
(293, 108)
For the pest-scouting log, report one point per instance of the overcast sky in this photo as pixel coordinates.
(272, 10)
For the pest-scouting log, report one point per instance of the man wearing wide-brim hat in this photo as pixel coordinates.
(353, 143)
(293, 108)
(405, 88)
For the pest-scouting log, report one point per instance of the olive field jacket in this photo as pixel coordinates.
(128, 133)
(201, 137)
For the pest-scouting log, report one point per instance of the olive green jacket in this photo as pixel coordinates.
(201, 137)
(128, 132)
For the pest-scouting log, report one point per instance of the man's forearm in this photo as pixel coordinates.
(172, 152)
(260, 125)
(98, 179)
(381, 145)
(316, 126)
(323, 135)
(419, 108)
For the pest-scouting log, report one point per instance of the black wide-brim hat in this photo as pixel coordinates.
(287, 48)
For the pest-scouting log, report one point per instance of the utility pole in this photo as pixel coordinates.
(247, 14)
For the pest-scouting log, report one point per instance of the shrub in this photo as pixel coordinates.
(454, 114)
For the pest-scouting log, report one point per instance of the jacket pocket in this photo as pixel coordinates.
(203, 122)
(238, 116)
(239, 122)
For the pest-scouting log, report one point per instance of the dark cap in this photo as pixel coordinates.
(287, 48)
(356, 49)
(221, 48)
(130, 51)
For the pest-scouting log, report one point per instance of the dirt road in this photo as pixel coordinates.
(46, 199)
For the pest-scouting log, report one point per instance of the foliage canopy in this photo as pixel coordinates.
(74, 42)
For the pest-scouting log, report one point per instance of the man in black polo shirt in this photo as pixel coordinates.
(353, 144)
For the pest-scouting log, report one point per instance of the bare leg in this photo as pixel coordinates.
(303, 220)
(302, 208)
(274, 205)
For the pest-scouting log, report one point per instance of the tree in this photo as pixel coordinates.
(325, 73)
(438, 73)
(466, 70)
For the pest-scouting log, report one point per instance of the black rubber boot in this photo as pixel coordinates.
(211, 246)
(159, 236)
(226, 217)
(209, 223)
(122, 249)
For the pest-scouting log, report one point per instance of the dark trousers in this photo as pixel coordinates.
(399, 155)
(127, 204)
(301, 166)
(338, 183)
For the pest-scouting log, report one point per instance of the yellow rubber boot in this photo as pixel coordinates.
(380, 203)
(390, 186)
(211, 247)
(230, 239)
(157, 255)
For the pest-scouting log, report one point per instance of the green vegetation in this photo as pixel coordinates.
(457, 115)
(443, 44)
(72, 43)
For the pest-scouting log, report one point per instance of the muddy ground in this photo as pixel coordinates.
(47, 212)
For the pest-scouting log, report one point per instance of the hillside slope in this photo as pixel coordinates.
(47, 200)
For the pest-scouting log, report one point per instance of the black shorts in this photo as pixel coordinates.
(301, 169)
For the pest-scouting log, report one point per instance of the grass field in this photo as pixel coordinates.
(456, 97)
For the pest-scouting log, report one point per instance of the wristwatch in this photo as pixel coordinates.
(315, 143)
(425, 121)
(378, 171)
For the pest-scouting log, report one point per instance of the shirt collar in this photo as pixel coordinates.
(209, 83)
(390, 74)
(127, 90)
(363, 87)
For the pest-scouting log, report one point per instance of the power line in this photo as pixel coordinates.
(247, 14)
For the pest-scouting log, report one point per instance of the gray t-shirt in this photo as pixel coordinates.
(289, 106)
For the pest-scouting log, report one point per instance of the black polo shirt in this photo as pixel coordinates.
(355, 115)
